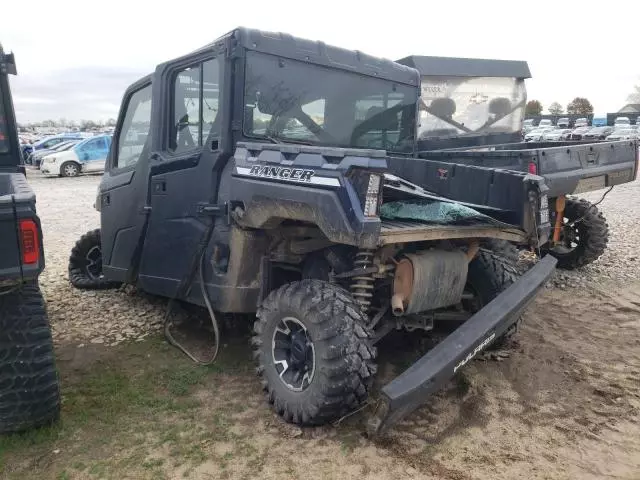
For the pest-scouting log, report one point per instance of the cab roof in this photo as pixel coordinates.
(467, 67)
(317, 52)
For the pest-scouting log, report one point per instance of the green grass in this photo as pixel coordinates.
(143, 391)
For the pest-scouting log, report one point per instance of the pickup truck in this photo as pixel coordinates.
(29, 392)
(569, 168)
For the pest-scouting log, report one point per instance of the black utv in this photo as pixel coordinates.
(255, 176)
(29, 395)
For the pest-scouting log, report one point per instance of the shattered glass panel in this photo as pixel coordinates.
(434, 211)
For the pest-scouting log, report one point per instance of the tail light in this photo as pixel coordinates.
(29, 242)
(372, 198)
(368, 188)
(533, 168)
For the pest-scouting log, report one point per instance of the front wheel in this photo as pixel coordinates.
(69, 169)
(313, 352)
(85, 263)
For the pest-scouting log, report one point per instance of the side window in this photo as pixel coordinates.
(52, 142)
(135, 128)
(195, 105)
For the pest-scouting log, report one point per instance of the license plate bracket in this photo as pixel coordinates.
(591, 183)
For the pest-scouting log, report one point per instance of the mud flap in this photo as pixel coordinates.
(411, 388)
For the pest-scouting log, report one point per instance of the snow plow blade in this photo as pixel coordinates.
(410, 389)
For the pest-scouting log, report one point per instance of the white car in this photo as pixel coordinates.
(556, 135)
(622, 122)
(545, 123)
(536, 135)
(88, 156)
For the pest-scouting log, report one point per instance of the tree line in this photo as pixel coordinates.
(577, 106)
(64, 123)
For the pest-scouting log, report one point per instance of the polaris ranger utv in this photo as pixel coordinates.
(252, 176)
(29, 394)
(472, 113)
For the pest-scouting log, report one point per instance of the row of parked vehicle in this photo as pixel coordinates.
(68, 155)
(552, 133)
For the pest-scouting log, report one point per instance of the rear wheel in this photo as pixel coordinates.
(70, 169)
(489, 275)
(85, 263)
(313, 352)
(29, 391)
(584, 242)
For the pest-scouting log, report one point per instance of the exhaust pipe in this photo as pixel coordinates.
(397, 304)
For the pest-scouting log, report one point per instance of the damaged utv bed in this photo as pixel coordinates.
(254, 176)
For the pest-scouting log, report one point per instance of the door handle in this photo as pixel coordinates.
(158, 187)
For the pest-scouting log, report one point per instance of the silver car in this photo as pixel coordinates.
(624, 134)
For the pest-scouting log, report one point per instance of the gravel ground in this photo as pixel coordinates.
(65, 206)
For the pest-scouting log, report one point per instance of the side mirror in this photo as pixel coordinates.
(85, 156)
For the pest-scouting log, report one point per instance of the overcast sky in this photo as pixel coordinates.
(75, 58)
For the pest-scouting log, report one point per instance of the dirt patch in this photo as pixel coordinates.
(564, 404)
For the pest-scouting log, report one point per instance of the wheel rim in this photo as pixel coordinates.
(293, 354)
(569, 239)
(94, 263)
(71, 170)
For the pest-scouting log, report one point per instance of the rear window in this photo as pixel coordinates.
(4, 139)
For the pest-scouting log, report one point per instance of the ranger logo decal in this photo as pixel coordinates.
(289, 174)
(283, 173)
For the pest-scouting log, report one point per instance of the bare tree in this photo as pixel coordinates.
(555, 108)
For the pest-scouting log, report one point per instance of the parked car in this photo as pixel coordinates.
(598, 133)
(581, 122)
(563, 122)
(545, 123)
(555, 135)
(527, 126)
(567, 134)
(624, 134)
(88, 156)
(536, 135)
(48, 142)
(577, 133)
(35, 157)
(620, 121)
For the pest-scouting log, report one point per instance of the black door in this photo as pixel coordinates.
(124, 186)
(184, 171)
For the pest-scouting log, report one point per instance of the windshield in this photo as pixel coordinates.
(462, 105)
(291, 101)
(4, 139)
